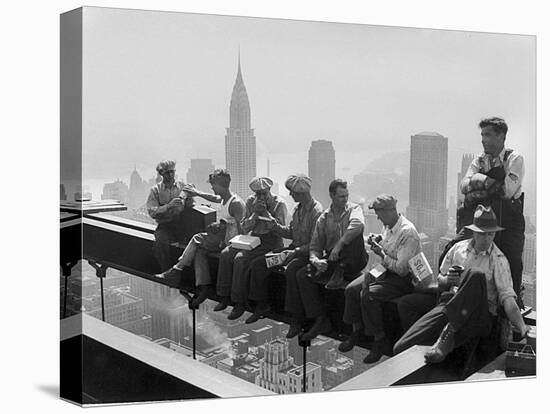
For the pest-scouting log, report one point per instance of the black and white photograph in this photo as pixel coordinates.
(263, 204)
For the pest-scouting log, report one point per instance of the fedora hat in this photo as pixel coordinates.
(485, 220)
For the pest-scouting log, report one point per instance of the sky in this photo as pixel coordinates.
(157, 85)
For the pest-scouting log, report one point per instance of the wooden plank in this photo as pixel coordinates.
(389, 371)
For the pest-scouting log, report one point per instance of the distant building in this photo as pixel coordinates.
(198, 173)
(466, 162)
(138, 191)
(121, 309)
(117, 190)
(273, 367)
(529, 281)
(530, 253)
(428, 184)
(62, 192)
(261, 336)
(337, 370)
(240, 142)
(321, 169)
(293, 380)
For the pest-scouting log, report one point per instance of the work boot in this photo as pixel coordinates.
(349, 343)
(379, 348)
(295, 329)
(444, 344)
(337, 281)
(203, 291)
(224, 303)
(237, 312)
(321, 325)
(262, 310)
(171, 273)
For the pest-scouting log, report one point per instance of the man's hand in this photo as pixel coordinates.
(320, 264)
(377, 249)
(259, 207)
(176, 202)
(191, 190)
(335, 253)
(213, 228)
(292, 254)
(453, 278)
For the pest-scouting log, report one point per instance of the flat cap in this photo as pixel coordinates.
(261, 183)
(383, 202)
(299, 183)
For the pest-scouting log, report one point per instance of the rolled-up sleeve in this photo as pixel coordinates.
(408, 248)
(355, 226)
(514, 176)
(318, 239)
(503, 280)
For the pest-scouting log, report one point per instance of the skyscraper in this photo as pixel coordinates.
(117, 190)
(198, 173)
(428, 184)
(240, 142)
(137, 193)
(321, 169)
(466, 161)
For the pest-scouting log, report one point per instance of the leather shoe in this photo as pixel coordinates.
(336, 281)
(378, 349)
(349, 343)
(171, 273)
(203, 291)
(262, 310)
(237, 312)
(444, 344)
(224, 303)
(320, 326)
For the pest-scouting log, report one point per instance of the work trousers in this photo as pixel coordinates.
(364, 303)
(234, 267)
(413, 306)
(166, 234)
(467, 312)
(196, 253)
(302, 294)
(259, 275)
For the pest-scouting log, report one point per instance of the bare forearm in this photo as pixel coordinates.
(514, 315)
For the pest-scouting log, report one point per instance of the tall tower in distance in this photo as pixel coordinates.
(428, 184)
(321, 169)
(240, 142)
(466, 162)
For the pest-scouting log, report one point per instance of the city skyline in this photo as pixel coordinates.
(363, 100)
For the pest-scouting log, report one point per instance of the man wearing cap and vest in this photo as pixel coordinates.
(262, 210)
(337, 254)
(364, 296)
(485, 284)
(495, 179)
(300, 230)
(216, 237)
(165, 204)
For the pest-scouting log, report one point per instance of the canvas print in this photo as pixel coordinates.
(254, 206)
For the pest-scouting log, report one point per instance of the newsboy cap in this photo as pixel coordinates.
(383, 202)
(299, 183)
(261, 183)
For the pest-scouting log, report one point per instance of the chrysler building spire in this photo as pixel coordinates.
(240, 142)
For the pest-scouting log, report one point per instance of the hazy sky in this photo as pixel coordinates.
(158, 85)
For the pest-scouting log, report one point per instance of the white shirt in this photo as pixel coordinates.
(513, 166)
